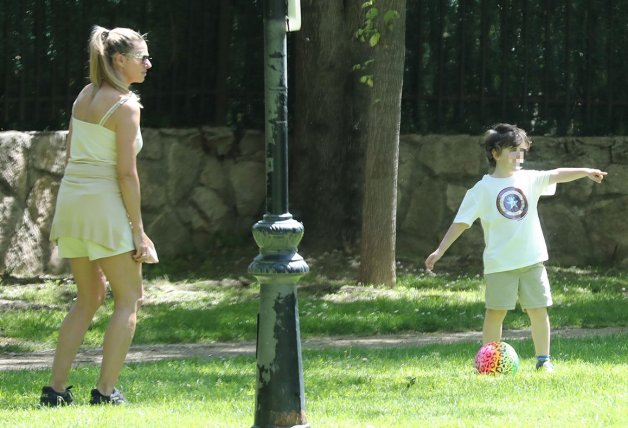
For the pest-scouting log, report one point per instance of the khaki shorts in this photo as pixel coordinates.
(529, 285)
(70, 248)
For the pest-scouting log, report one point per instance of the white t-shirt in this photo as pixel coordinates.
(507, 209)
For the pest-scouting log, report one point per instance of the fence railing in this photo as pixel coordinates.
(552, 66)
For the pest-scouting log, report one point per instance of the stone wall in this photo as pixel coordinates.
(584, 223)
(197, 183)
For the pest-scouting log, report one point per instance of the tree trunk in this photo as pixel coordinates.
(381, 137)
(337, 120)
(325, 159)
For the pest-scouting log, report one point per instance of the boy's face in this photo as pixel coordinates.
(511, 158)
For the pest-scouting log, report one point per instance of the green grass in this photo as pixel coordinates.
(432, 386)
(202, 311)
(355, 387)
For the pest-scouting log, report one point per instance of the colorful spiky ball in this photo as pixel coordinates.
(497, 358)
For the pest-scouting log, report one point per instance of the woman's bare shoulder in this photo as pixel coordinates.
(93, 102)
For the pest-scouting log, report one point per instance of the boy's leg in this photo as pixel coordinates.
(535, 296)
(90, 285)
(492, 329)
(540, 326)
(500, 296)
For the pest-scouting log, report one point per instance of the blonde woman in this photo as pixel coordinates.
(97, 223)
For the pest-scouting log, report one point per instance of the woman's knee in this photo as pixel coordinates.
(93, 298)
(129, 300)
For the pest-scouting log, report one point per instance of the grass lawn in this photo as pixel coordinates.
(207, 310)
(431, 386)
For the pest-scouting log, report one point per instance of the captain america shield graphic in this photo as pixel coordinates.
(512, 203)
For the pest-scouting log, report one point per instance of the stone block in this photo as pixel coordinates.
(616, 182)
(41, 202)
(10, 214)
(184, 164)
(565, 234)
(170, 236)
(607, 228)
(592, 152)
(217, 141)
(248, 180)
(215, 215)
(424, 217)
(154, 182)
(575, 191)
(251, 144)
(48, 151)
(454, 196)
(14, 150)
(469, 247)
(619, 151)
(213, 176)
(408, 175)
(153, 145)
(452, 155)
(25, 254)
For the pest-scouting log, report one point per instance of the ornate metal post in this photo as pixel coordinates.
(280, 395)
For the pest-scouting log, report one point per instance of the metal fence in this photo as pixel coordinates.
(552, 66)
(43, 58)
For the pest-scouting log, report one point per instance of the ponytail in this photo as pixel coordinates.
(103, 45)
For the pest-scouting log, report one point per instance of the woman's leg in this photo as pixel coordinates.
(492, 329)
(125, 280)
(90, 284)
(540, 327)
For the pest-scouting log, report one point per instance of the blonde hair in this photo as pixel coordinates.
(103, 45)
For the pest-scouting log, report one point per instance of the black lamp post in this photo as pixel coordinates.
(280, 395)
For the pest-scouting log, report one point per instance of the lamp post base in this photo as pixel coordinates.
(280, 395)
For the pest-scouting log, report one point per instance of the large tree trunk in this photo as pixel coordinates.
(382, 118)
(336, 120)
(325, 159)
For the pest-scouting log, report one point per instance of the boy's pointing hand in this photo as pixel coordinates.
(597, 175)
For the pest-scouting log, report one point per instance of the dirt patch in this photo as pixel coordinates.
(147, 353)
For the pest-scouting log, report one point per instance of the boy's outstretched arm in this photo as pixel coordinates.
(563, 175)
(453, 233)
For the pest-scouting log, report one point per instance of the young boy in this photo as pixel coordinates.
(505, 201)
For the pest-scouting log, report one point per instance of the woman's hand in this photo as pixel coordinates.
(142, 247)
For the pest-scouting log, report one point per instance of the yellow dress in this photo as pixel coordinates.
(89, 203)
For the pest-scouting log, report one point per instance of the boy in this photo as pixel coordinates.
(505, 201)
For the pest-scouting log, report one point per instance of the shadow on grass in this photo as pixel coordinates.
(421, 303)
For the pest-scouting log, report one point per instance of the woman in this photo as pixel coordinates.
(97, 223)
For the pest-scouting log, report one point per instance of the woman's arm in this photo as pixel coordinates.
(454, 232)
(127, 123)
(564, 175)
(68, 141)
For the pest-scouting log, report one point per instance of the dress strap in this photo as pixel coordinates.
(112, 110)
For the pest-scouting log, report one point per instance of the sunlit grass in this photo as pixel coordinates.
(204, 311)
(433, 385)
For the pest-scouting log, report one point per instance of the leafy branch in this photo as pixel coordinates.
(369, 33)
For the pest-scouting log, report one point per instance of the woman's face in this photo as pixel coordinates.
(136, 64)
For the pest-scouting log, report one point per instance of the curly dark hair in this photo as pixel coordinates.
(500, 136)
